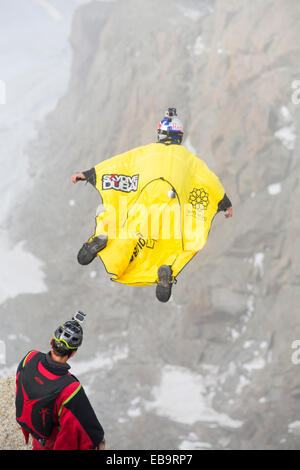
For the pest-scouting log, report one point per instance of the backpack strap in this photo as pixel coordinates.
(29, 356)
(70, 396)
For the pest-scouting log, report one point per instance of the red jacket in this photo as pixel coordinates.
(75, 425)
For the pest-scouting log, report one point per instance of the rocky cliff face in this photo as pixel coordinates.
(212, 368)
(11, 436)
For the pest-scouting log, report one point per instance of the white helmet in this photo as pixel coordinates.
(170, 128)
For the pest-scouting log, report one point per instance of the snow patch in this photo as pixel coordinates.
(101, 361)
(294, 427)
(21, 272)
(199, 46)
(285, 114)
(183, 396)
(250, 306)
(134, 411)
(287, 136)
(256, 364)
(18, 337)
(122, 420)
(262, 400)
(234, 334)
(274, 189)
(243, 382)
(191, 443)
(259, 263)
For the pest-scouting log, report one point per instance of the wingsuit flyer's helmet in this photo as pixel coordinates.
(69, 335)
(170, 127)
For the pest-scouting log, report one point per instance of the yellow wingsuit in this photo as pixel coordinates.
(159, 203)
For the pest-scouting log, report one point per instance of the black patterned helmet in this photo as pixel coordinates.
(68, 336)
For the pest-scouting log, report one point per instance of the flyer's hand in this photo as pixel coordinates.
(101, 446)
(77, 177)
(228, 213)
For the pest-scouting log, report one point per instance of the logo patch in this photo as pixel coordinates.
(199, 199)
(141, 244)
(38, 380)
(123, 183)
(44, 412)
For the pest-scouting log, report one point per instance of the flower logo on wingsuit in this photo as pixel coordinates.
(199, 198)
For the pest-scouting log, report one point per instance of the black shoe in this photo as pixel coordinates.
(89, 250)
(164, 285)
